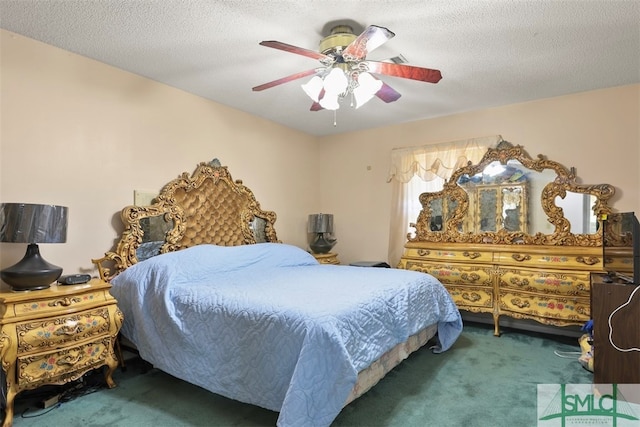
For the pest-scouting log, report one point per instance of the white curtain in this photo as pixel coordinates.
(415, 170)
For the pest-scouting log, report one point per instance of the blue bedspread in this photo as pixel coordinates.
(266, 324)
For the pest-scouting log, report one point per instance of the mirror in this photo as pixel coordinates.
(578, 209)
(511, 198)
(259, 229)
(154, 232)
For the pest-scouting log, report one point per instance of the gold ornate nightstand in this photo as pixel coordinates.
(329, 258)
(56, 335)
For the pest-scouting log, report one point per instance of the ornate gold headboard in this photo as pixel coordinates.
(207, 207)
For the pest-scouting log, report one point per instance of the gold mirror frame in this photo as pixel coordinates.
(564, 182)
(207, 207)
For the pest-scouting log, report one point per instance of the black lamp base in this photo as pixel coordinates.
(32, 272)
(322, 245)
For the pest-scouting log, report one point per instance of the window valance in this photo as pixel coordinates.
(440, 160)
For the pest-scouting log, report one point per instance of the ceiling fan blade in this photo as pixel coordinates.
(372, 37)
(316, 107)
(405, 71)
(285, 79)
(387, 93)
(297, 50)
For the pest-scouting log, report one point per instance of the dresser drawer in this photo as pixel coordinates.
(471, 296)
(549, 308)
(44, 334)
(58, 303)
(64, 365)
(455, 255)
(454, 274)
(568, 282)
(550, 260)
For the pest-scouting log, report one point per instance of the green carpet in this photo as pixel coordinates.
(482, 381)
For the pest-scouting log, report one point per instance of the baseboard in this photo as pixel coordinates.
(527, 325)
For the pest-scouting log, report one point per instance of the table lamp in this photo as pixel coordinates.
(322, 226)
(32, 224)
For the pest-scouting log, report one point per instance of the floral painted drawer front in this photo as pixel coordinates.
(574, 261)
(43, 334)
(454, 274)
(568, 282)
(467, 297)
(452, 255)
(53, 305)
(552, 307)
(63, 365)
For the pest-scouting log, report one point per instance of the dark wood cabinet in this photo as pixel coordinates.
(615, 309)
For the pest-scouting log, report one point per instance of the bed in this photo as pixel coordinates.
(211, 296)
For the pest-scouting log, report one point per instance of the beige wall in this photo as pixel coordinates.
(597, 132)
(78, 133)
(82, 134)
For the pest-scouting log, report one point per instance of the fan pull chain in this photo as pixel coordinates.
(335, 118)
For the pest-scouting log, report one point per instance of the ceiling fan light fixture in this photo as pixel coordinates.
(345, 68)
(330, 101)
(336, 82)
(313, 88)
(367, 88)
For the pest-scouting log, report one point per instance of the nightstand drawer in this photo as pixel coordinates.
(55, 304)
(53, 332)
(328, 258)
(63, 365)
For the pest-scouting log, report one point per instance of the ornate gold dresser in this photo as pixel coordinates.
(513, 236)
(56, 335)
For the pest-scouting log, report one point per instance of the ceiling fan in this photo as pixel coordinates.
(346, 71)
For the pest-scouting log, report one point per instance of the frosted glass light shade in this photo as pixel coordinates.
(367, 88)
(313, 88)
(336, 82)
(330, 101)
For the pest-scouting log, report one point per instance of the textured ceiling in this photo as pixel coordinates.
(490, 52)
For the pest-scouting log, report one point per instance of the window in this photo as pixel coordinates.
(415, 170)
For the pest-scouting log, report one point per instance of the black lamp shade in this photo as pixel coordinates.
(32, 224)
(320, 223)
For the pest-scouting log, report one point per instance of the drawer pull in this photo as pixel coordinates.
(69, 360)
(520, 303)
(520, 257)
(588, 261)
(519, 282)
(473, 297)
(471, 255)
(70, 330)
(64, 302)
(423, 252)
(470, 277)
